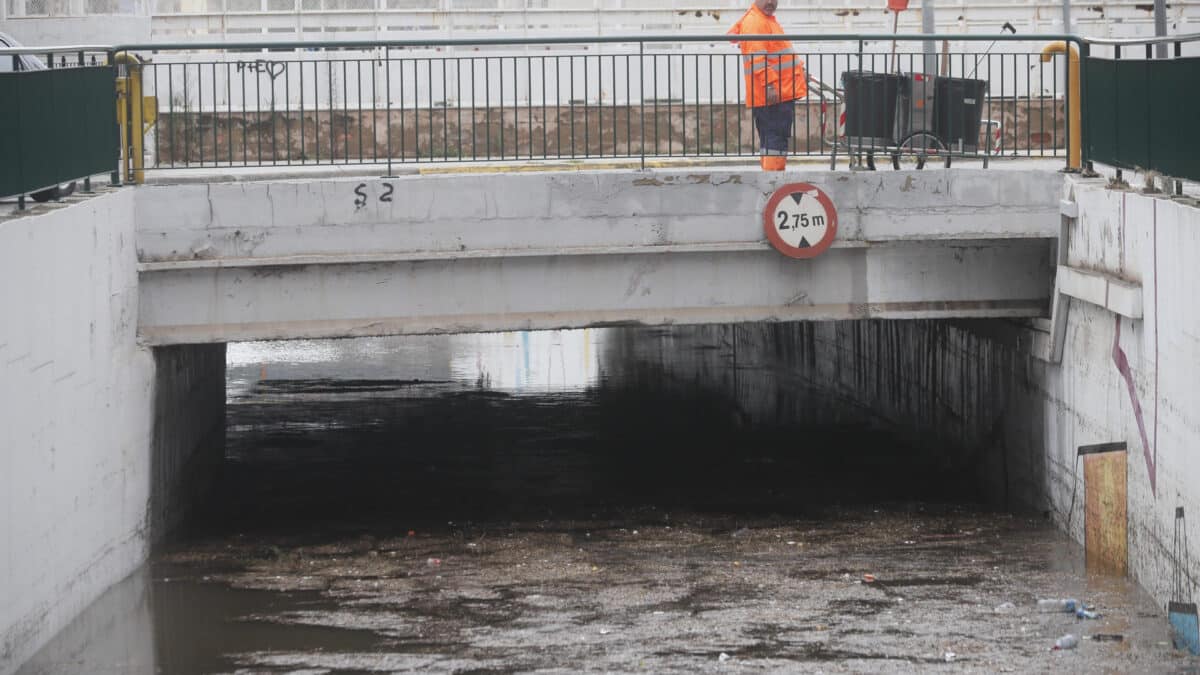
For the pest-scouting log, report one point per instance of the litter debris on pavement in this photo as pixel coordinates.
(1065, 605)
(1067, 641)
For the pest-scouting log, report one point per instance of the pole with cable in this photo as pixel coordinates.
(929, 27)
(1160, 27)
(896, 6)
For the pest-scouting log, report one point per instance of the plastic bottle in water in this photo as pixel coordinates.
(1066, 642)
(1065, 605)
(1082, 613)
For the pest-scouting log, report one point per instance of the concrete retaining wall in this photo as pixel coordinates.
(85, 472)
(1155, 242)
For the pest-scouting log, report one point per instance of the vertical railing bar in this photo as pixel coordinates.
(346, 110)
(229, 109)
(807, 107)
(245, 113)
(358, 82)
(387, 105)
(258, 116)
(1028, 103)
(712, 111)
(374, 113)
(403, 134)
(615, 130)
(432, 152)
(587, 122)
(642, 97)
(724, 105)
(825, 108)
(474, 124)
(199, 110)
(629, 108)
(696, 108)
(529, 97)
(503, 148)
(545, 114)
(737, 62)
(287, 107)
(187, 114)
(332, 130)
(274, 130)
(861, 137)
(445, 112)
(655, 99)
(791, 59)
(216, 116)
(157, 151)
(458, 104)
(670, 104)
(170, 112)
(1041, 111)
(571, 100)
(300, 81)
(599, 58)
(316, 110)
(487, 95)
(330, 113)
(558, 106)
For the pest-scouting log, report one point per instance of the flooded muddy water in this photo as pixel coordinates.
(496, 504)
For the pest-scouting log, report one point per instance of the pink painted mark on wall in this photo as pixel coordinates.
(1122, 362)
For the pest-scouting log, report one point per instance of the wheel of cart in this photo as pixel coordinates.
(916, 149)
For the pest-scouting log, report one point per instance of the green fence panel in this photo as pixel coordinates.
(1141, 114)
(56, 126)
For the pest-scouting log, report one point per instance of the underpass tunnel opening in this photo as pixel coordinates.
(405, 432)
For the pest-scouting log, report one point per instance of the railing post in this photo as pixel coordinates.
(1085, 49)
(387, 74)
(642, 98)
(119, 88)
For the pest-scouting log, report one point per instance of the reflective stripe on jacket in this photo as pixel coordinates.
(769, 62)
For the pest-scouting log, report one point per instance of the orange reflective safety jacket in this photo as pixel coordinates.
(770, 63)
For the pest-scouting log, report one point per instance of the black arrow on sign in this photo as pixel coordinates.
(797, 196)
(804, 243)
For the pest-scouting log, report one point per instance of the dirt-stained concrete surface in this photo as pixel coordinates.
(432, 524)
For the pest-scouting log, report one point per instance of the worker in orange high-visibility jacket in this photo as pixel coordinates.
(774, 80)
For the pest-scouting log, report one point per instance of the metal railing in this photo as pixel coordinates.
(626, 98)
(57, 123)
(1142, 104)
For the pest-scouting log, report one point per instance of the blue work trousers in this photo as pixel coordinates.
(774, 125)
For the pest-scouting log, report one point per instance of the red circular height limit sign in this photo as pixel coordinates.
(800, 220)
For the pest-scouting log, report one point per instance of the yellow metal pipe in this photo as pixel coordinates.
(1074, 136)
(133, 133)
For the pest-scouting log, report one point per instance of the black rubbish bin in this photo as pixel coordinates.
(871, 108)
(958, 112)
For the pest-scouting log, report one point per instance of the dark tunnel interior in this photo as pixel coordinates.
(392, 444)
